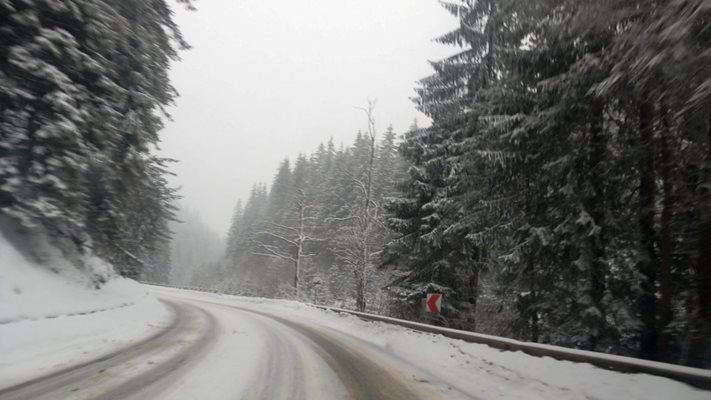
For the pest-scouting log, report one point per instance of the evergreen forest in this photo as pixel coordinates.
(562, 193)
(559, 192)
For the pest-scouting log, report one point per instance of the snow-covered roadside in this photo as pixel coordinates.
(474, 368)
(50, 321)
(32, 291)
(34, 348)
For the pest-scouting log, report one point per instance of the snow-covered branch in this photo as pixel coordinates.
(271, 252)
(275, 236)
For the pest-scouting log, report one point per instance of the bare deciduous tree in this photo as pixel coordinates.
(290, 240)
(356, 251)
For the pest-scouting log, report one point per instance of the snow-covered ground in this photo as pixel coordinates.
(475, 369)
(50, 320)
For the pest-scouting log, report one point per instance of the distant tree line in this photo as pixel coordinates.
(318, 231)
(83, 86)
(194, 246)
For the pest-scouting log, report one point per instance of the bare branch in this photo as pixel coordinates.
(291, 242)
(330, 219)
(273, 253)
(313, 239)
(290, 228)
(361, 185)
(268, 255)
(273, 256)
(369, 114)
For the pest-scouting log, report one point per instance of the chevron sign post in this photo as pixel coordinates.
(433, 304)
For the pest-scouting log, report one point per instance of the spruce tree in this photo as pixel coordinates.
(84, 83)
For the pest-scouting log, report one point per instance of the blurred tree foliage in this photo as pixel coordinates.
(569, 163)
(84, 86)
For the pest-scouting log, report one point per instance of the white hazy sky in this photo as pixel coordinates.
(271, 79)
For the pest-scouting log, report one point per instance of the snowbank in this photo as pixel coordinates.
(51, 317)
(491, 373)
(32, 291)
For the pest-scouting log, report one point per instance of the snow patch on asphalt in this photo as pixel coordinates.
(476, 369)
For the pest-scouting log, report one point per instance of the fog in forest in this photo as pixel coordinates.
(266, 80)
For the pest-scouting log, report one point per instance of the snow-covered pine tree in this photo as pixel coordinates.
(280, 192)
(421, 216)
(390, 167)
(560, 144)
(234, 233)
(287, 231)
(82, 84)
(554, 132)
(322, 165)
(441, 252)
(137, 67)
(660, 62)
(44, 101)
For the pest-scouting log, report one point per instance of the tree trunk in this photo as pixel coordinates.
(532, 311)
(646, 263)
(596, 208)
(666, 244)
(473, 294)
(701, 321)
(368, 217)
(364, 276)
(299, 247)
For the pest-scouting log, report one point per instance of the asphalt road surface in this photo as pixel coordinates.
(218, 351)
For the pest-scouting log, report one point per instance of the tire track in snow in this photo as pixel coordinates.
(359, 373)
(129, 369)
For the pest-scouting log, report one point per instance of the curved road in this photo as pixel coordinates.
(219, 351)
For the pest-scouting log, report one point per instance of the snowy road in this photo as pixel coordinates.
(306, 362)
(208, 345)
(127, 370)
(224, 347)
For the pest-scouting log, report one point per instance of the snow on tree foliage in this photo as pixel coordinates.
(562, 193)
(83, 83)
(310, 230)
(569, 158)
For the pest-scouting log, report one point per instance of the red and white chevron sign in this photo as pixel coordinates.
(434, 303)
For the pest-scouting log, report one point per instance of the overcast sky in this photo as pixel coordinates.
(271, 79)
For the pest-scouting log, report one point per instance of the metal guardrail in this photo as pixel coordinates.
(193, 288)
(697, 377)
